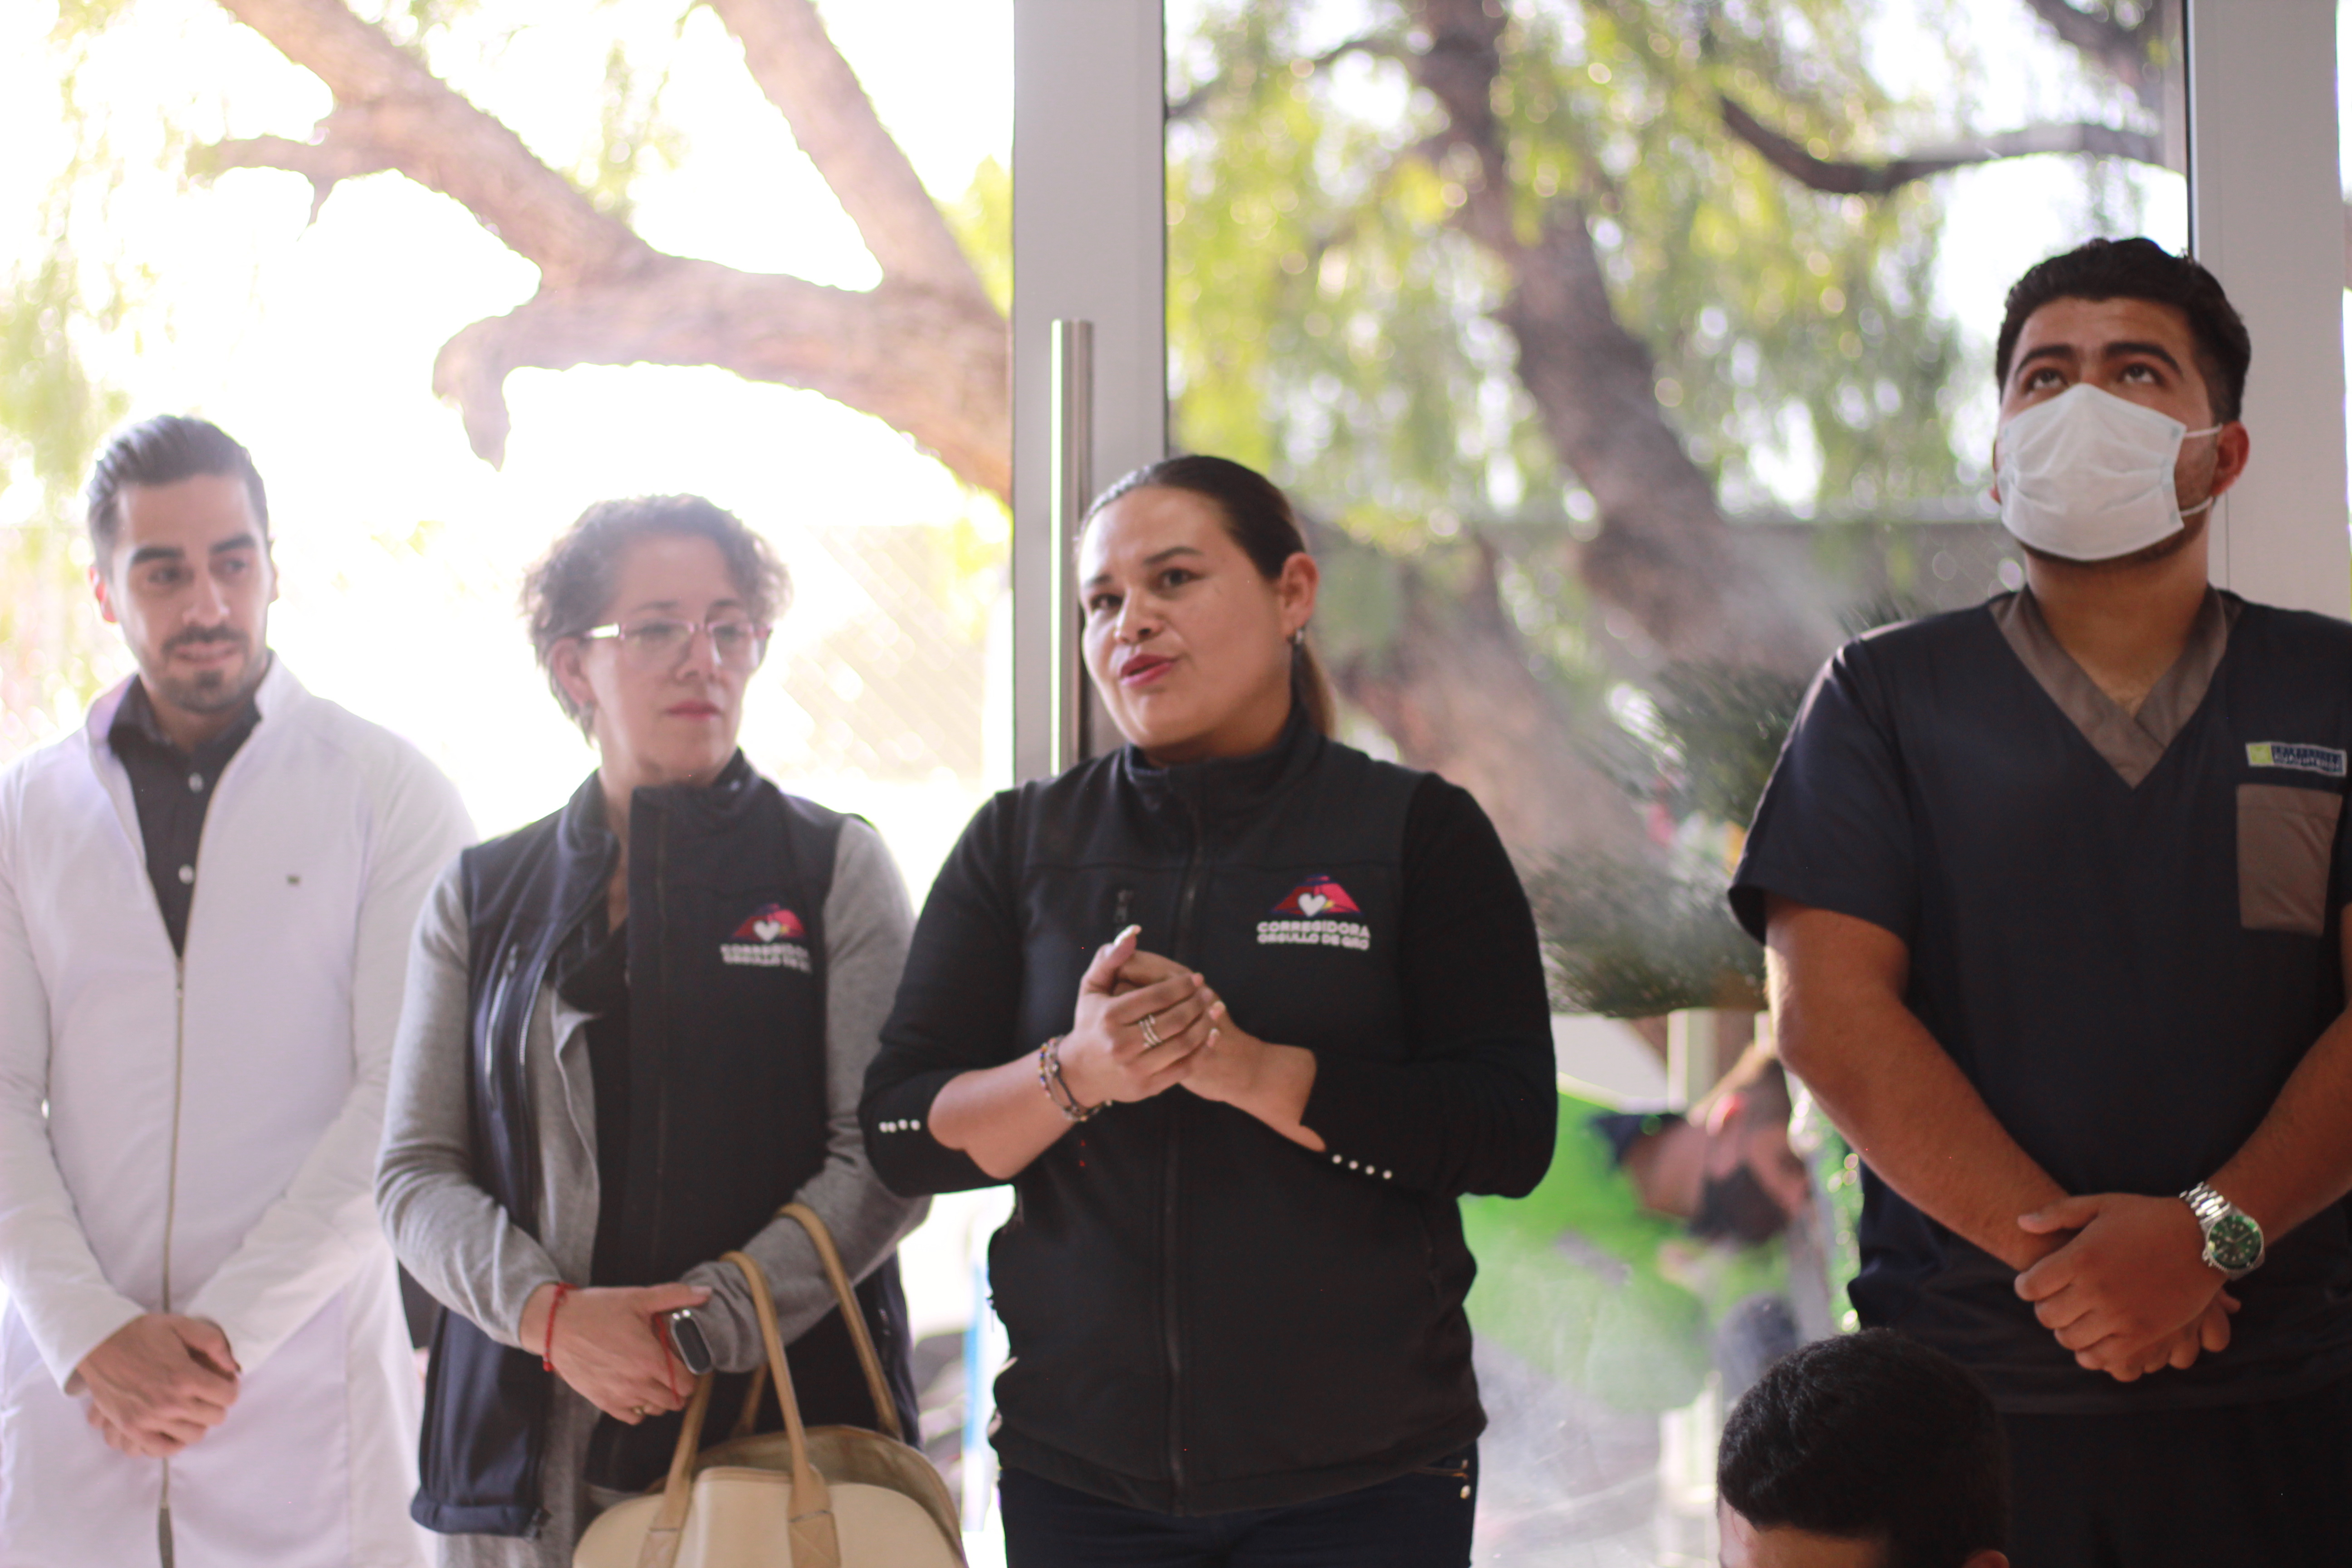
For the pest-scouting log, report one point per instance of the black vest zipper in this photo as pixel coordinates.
(1187, 897)
(661, 1052)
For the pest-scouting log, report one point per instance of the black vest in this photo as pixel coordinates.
(727, 1108)
(1203, 1315)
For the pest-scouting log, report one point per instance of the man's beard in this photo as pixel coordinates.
(2191, 528)
(217, 690)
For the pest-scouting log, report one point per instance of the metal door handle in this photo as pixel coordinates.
(1073, 395)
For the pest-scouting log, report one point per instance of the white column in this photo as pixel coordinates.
(1089, 243)
(2266, 213)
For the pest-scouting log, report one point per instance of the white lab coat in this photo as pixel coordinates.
(200, 1136)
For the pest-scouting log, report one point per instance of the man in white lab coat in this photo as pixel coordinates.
(205, 900)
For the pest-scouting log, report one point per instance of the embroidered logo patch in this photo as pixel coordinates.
(770, 938)
(2326, 761)
(1306, 917)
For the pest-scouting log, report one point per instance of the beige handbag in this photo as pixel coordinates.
(838, 1496)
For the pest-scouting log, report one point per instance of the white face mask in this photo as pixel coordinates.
(2088, 476)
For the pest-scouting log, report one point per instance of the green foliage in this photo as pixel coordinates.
(1327, 320)
(1331, 322)
(1637, 939)
(52, 417)
(981, 221)
(1724, 727)
(82, 18)
(1321, 318)
(633, 135)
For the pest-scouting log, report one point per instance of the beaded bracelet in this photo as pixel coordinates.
(1049, 1077)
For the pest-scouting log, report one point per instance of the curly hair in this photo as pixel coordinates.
(569, 590)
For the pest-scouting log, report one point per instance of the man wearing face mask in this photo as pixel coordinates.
(2051, 891)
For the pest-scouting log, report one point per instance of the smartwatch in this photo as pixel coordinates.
(686, 1337)
(2234, 1242)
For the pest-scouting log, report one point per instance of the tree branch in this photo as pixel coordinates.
(1372, 44)
(328, 158)
(1455, 690)
(850, 346)
(790, 55)
(1841, 178)
(388, 101)
(2122, 52)
(1664, 556)
(606, 297)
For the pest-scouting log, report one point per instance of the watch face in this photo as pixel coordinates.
(2235, 1242)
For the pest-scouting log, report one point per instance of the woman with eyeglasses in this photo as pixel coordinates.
(1240, 1013)
(633, 1030)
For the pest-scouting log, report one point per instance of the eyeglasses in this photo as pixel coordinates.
(738, 642)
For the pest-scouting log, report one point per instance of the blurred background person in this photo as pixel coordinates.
(1660, 1248)
(206, 898)
(635, 1029)
(1300, 989)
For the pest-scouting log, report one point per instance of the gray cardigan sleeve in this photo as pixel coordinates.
(451, 1234)
(867, 923)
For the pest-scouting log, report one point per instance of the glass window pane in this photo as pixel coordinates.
(1626, 357)
(653, 286)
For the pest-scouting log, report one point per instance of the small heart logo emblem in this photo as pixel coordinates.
(768, 931)
(1313, 904)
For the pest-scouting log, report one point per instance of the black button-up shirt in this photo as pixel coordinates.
(172, 789)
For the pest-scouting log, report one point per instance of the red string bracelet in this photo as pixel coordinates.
(547, 1355)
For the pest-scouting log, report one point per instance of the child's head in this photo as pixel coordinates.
(1869, 1450)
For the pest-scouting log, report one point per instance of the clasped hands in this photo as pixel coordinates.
(2128, 1290)
(607, 1347)
(1109, 1056)
(158, 1383)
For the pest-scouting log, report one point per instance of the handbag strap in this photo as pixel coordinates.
(886, 1409)
(747, 1420)
(814, 1542)
(660, 1547)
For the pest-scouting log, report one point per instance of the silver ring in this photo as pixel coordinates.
(641, 1412)
(1151, 1031)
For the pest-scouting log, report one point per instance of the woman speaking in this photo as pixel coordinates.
(1240, 1012)
(633, 1030)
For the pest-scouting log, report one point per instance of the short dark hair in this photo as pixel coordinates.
(163, 451)
(569, 589)
(1261, 520)
(2140, 270)
(1871, 1437)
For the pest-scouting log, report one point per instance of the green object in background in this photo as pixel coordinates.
(1587, 1286)
(1837, 1178)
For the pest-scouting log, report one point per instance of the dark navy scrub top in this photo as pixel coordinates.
(2123, 928)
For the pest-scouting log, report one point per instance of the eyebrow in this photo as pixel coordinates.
(672, 604)
(1169, 553)
(2127, 348)
(147, 552)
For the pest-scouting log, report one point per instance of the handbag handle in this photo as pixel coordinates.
(659, 1549)
(886, 1409)
(814, 1542)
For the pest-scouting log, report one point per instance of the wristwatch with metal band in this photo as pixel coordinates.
(2234, 1242)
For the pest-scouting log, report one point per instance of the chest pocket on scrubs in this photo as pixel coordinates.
(2286, 838)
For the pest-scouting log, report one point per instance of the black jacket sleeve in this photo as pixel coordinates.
(958, 1008)
(1477, 1108)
